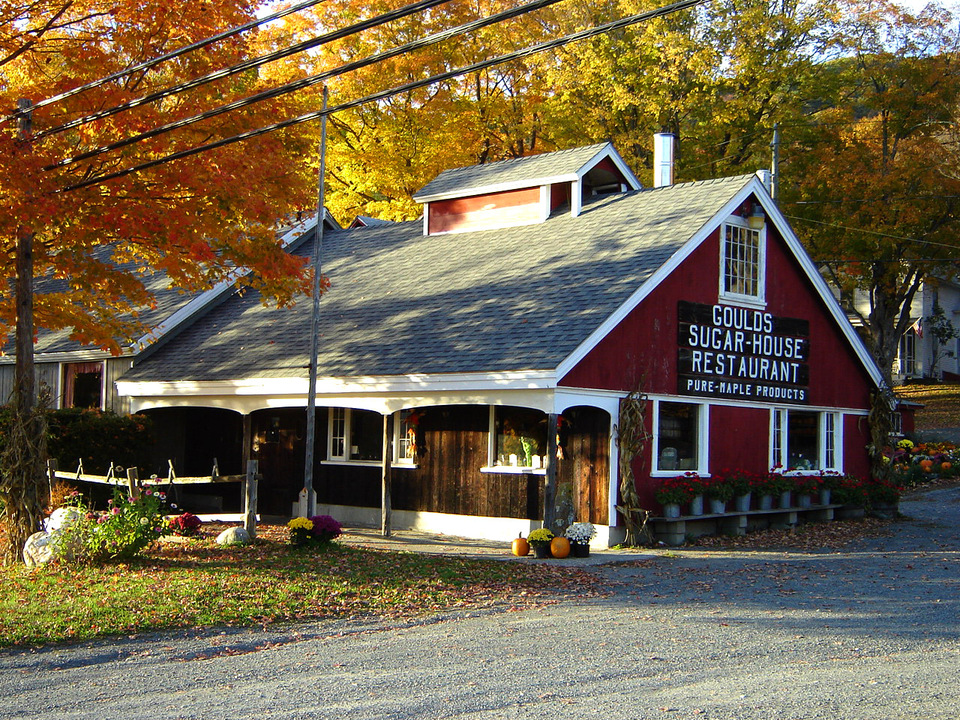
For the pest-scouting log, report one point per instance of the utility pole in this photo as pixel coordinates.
(308, 496)
(23, 369)
(775, 164)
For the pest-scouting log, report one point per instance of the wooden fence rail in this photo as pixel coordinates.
(116, 475)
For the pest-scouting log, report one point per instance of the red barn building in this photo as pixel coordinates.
(532, 298)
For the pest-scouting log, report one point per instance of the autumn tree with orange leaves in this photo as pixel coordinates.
(98, 246)
(870, 182)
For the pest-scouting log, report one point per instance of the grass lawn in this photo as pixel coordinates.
(198, 583)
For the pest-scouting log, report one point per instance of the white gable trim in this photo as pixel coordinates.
(609, 151)
(756, 188)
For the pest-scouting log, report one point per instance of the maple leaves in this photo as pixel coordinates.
(868, 176)
(196, 221)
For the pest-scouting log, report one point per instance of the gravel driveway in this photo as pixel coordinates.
(867, 632)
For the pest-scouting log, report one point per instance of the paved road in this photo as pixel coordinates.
(869, 632)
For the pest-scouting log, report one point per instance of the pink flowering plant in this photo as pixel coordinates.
(126, 528)
(325, 529)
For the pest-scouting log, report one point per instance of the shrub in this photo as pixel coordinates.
(97, 438)
(126, 528)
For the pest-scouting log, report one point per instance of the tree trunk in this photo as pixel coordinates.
(22, 466)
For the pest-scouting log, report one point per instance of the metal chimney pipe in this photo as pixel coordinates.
(662, 159)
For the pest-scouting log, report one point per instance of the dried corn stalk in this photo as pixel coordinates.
(24, 492)
(632, 439)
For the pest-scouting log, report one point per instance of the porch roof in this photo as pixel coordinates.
(489, 301)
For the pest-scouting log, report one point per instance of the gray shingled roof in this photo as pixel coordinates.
(168, 301)
(487, 301)
(513, 171)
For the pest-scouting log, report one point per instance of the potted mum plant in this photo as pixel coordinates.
(184, 525)
(580, 534)
(539, 540)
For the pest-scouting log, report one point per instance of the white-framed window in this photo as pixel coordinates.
(518, 440)
(679, 437)
(742, 262)
(806, 440)
(354, 436)
(82, 385)
(908, 353)
(896, 423)
(405, 439)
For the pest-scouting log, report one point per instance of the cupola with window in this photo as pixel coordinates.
(522, 191)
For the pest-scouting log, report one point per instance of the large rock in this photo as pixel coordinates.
(61, 518)
(233, 536)
(38, 549)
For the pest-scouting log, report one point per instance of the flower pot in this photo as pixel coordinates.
(804, 501)
(766, 502)
(785, 498)
(671, 510)
(825, 496)
(540, 550)
(742, 502)
(580, 550)
(718, 507)
(696, 505)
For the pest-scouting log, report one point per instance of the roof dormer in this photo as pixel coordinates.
(522, 191)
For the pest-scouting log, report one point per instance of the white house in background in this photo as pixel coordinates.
(921, 353)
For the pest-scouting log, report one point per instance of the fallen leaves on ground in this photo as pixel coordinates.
(807, 537)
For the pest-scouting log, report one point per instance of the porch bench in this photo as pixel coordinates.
(676, 531)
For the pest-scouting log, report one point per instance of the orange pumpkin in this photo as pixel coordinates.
(559, 547)
(926, 465)
(945, 466)
(520, 546)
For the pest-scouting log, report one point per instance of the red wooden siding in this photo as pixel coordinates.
(512, 207)
(645, 344)
(856, 437)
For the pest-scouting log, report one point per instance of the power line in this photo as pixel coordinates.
(875, 232)
(171, 55)
(868, 200)
(375, 21)
(312, 80)
(382, 95)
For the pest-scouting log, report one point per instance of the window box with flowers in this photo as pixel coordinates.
(774, 488)
(829, 481)
(741, 484)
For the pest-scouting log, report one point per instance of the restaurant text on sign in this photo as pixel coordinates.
(735, 352)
